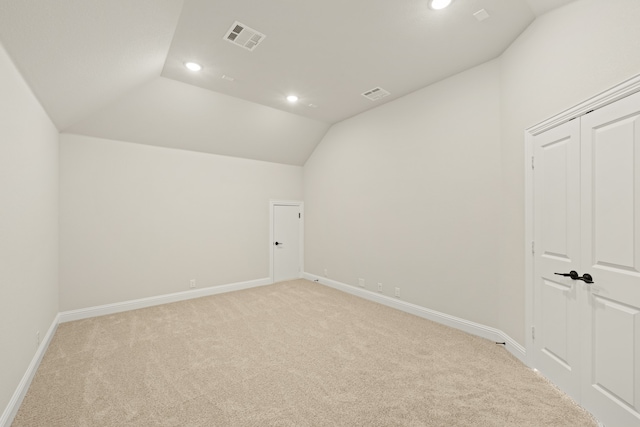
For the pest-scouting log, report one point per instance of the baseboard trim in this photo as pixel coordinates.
(84, 313)
(67, 316)
(11, 410)
(445, 319)
(119, 307)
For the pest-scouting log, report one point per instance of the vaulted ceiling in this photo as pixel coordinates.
(115, 68)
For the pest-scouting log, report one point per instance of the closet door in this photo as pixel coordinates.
(610, 314)
(557, 250)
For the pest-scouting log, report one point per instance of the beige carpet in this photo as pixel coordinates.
(290, 354)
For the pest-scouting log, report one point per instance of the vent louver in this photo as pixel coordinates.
(243, 36)
(481, 15)
(375, 93)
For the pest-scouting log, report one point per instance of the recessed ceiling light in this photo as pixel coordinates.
(292, 98)
(193, 66)
(439, 4)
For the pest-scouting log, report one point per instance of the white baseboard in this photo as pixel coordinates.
(473, 328)
(67, 316)
(16, 400)
(118, 307)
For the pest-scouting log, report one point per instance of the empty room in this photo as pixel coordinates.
(320, 213)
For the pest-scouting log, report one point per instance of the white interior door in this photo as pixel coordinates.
(587, 220)
(286, 244)
(557, 250)
(611, 254)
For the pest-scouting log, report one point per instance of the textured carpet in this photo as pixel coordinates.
(290, 354)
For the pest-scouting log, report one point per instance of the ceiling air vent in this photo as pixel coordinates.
(481, 15)
(244, 36)
(375, 93)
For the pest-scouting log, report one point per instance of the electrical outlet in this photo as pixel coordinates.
(379, 287)
(326, 272)
(192, 283)
(397, 292)
(38, 338)
(361, 283)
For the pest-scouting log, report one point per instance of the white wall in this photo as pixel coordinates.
(139, 221)
(425, 193)
(433, 184)
(409, 194)
(28, 226)
(563, 58)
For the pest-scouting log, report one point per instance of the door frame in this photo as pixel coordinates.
(272, 205)
(622, 90)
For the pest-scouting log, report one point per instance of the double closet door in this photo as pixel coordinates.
(587, 221)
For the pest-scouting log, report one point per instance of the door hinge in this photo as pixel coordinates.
(533, 247)
(533, 332)
(533, 162)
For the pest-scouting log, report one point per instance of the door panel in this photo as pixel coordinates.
(611, 254)
(557, 300)
(613, 195)
(614, 353)
(556, 177)
(286, 233)
(557, 237)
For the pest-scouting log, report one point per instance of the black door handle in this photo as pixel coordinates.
(573, 274)
(278, 243)
(586, 278)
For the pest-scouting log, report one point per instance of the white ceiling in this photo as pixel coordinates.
(239, 128)
(328, 52)
(114, 68)
(79, 55)
(540, 7)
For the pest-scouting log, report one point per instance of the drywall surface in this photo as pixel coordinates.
(409, 195)
(139, 221)
(565, 57)
(172, 114)
(28, 226)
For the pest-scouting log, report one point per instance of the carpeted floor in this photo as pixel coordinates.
(291, 354)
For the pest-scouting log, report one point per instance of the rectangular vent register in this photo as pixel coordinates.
(243, 36)
(375, 93)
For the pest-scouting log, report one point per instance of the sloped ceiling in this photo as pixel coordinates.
(79, 55)
(540, 7)
(114, 68)
(169, 113)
